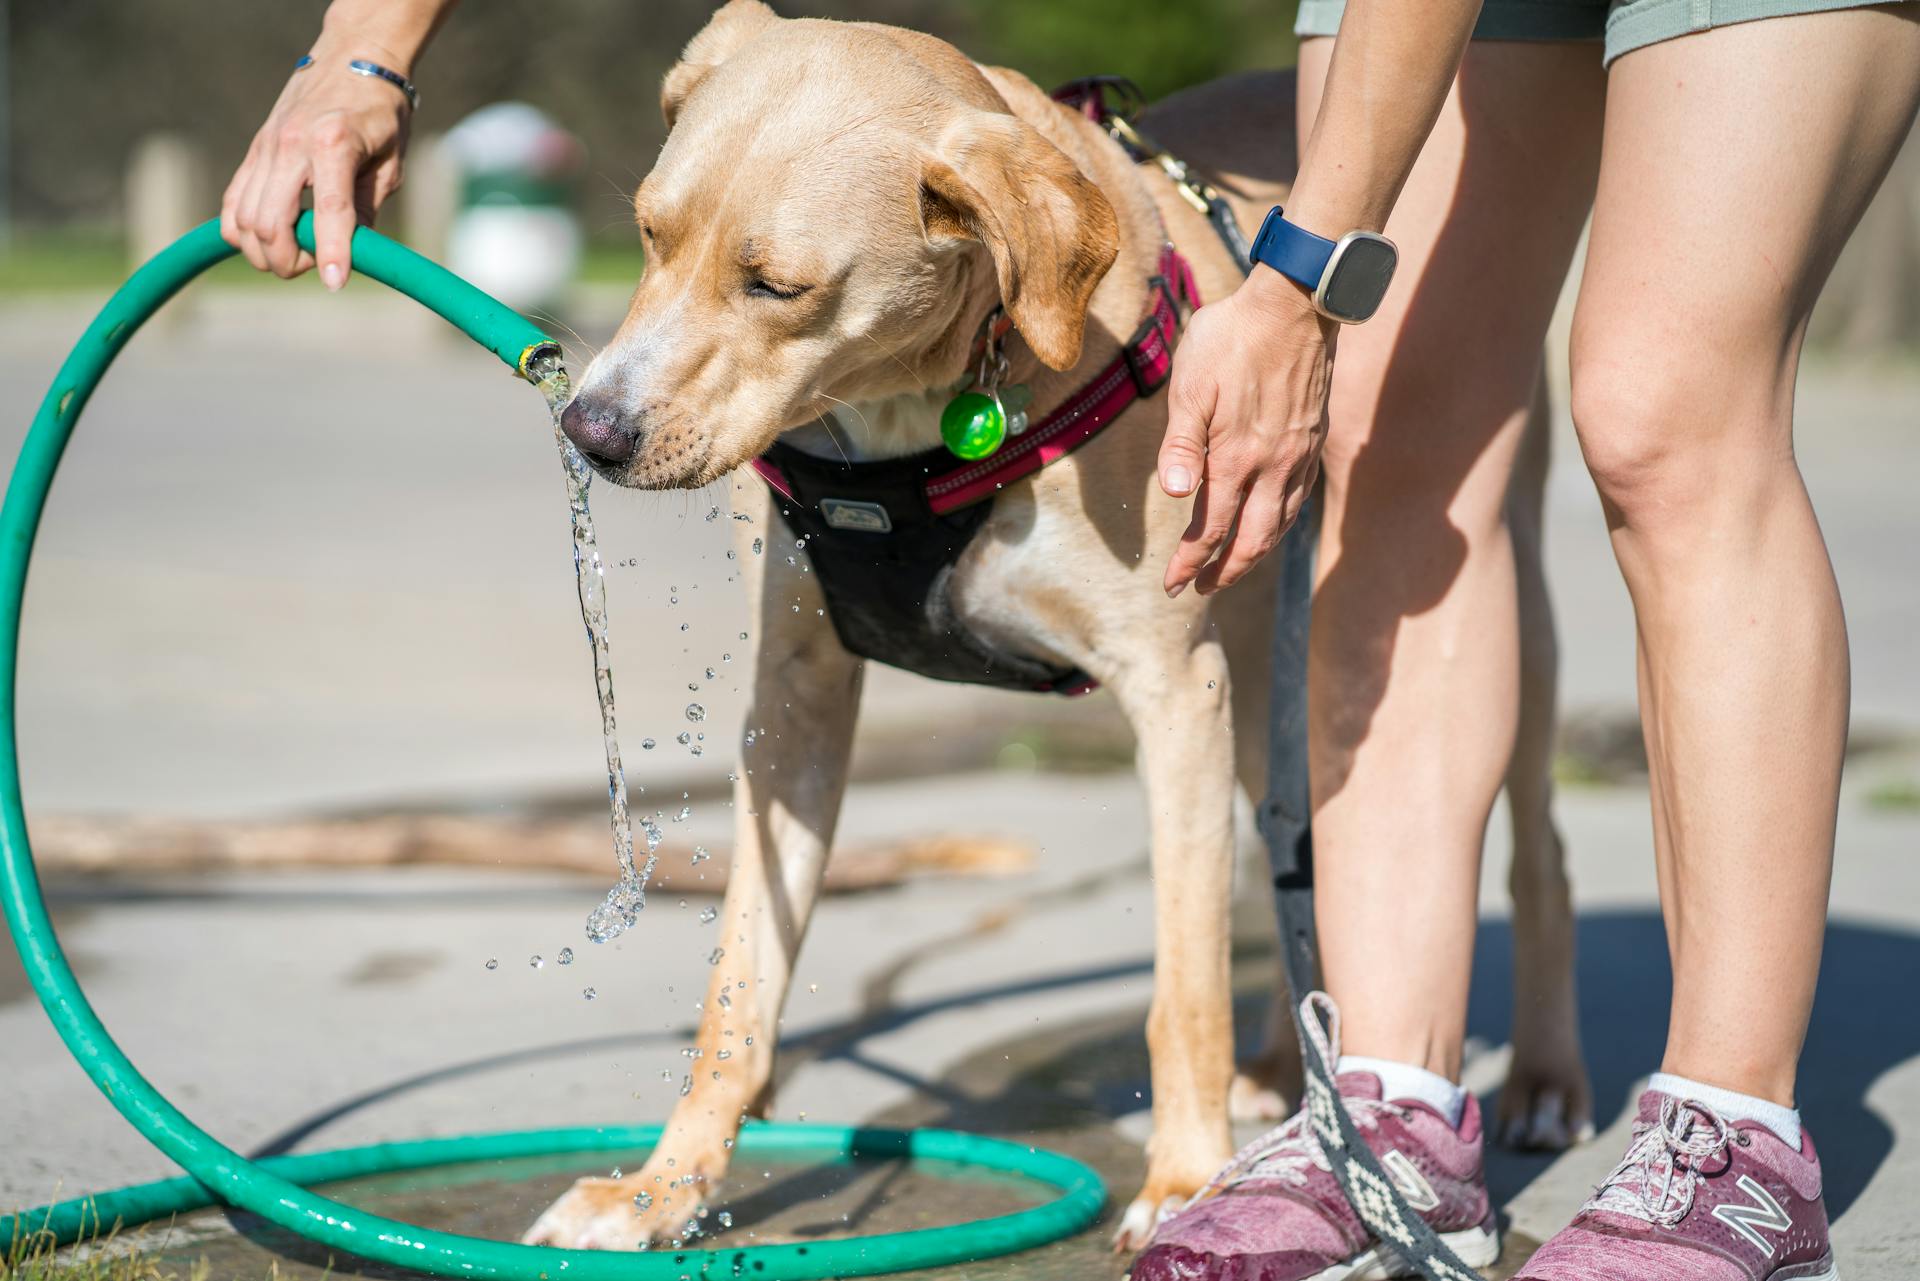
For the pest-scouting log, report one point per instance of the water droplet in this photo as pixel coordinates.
(728, 1144)
(535, 961)
(792, 561)
(709, 673)
(683, 737)
(743, 635)
(813, 987)
(644, 1201)
(700, 854)
(758, 547)
(742, 516)
(493, 962)
(685, 626)
(724, 1054)
(726, 658)
(696, 713)
(713, 957)
(1211, 684)
(566, 956)
(646, 745)
(749, 1040)
(686, 1085)
(750, 737)
(589, 994)
(713, 514)
(709, 915)
(726, 1217)
(730, 554)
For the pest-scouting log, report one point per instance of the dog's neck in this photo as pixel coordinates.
(891, 428)
(908, 423)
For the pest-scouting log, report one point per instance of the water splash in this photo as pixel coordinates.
(626, 899)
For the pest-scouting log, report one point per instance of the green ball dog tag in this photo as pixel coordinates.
(974, 425)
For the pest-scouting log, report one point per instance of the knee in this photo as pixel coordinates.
(1663, 433)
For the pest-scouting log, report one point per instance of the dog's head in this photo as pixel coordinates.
(835, 207)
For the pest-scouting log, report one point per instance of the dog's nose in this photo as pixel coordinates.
(594, 428)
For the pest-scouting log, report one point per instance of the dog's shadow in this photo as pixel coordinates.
(1857, 1034)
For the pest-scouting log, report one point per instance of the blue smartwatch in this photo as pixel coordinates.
(1347, 277)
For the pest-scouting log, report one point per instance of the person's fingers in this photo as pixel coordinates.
(1183, 452)
(249, 182)
(336, 172)
(385, 180)
(230, 198)
(1255, 533)
(277, 210)
(1215, 505)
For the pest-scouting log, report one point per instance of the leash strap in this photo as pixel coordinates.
(1089, 96)
(1286, 820)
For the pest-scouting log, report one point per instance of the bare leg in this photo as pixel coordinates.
(1414, 661)
(1546, 1101)
(806, 691)
(1736, 163)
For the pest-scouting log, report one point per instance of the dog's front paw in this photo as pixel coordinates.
(619, 1214)
(1546, 1104)
(1142, 1217)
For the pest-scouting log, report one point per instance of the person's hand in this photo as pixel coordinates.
(1247, 412)
(342, 134)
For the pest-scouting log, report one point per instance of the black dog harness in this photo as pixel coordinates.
(883, 537)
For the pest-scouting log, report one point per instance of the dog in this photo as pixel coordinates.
(837, 212)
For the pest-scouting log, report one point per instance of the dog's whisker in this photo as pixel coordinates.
(895, 358)
(826, 421)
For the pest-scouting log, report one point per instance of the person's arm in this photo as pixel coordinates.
(341, 133)
(1247, 406)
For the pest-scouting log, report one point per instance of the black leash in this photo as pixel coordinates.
(1286, 820)
(1286, 816)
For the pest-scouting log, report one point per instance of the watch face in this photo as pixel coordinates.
(1357, 279)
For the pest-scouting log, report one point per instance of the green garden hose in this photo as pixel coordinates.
(275, 1188)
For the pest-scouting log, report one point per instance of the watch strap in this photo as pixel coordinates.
(1293, 251)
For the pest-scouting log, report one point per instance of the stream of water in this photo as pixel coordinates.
(629, 895)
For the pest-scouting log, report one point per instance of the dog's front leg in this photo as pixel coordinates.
(1178, 705)
(786, 800)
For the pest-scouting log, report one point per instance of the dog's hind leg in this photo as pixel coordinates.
(1546, 1102)
(1177, 700)
(806, 691)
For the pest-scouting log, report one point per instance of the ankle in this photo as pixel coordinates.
(1782, 1120)
(1408, 1081)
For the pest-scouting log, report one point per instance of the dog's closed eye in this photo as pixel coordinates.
(758, 288)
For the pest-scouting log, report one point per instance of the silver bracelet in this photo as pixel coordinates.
(372, 70)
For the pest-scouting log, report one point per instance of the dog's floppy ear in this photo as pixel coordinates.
(1051, 232)
(735, 23)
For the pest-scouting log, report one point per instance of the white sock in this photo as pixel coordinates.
(1405, 1081)
(1784, 1122)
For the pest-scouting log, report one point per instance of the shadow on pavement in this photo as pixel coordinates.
(1857, 1035)
(1063, 1088)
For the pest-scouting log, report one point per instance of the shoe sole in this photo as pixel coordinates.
(1476, 1247)
(1830, 1273)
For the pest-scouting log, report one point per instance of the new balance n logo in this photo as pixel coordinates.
(1748, 1220)
(1413, 1185)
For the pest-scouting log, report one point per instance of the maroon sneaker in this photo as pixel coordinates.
(1698, 1198)
(1276, 1213)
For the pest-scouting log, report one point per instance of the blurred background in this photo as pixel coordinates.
(303, 679)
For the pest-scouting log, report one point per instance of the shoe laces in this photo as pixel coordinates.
(1286, 1152)
(1655, 1182)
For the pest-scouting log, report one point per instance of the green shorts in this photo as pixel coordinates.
(1625, 25)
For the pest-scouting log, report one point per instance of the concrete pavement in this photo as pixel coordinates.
(282, 575)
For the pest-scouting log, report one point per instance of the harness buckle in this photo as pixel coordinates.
(1149, 378)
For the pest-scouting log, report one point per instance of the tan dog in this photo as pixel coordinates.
(837, 208)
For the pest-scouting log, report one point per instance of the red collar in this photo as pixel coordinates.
(1140, 370)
